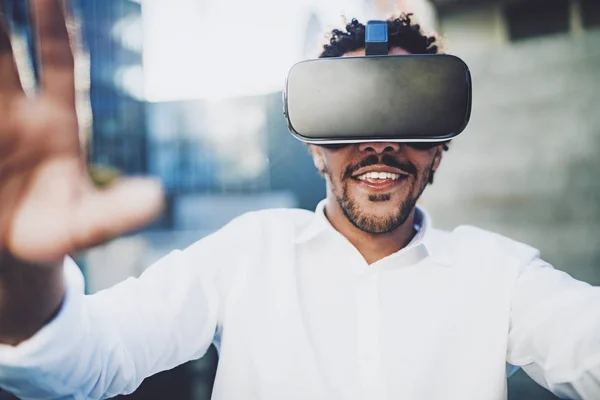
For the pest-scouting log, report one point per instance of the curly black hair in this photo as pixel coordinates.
(402, 32)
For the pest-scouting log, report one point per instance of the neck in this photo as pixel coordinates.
(373, 247)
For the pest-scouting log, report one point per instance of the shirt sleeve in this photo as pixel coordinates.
(103, 345)
(555, 331)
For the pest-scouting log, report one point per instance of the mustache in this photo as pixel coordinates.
(387, 160)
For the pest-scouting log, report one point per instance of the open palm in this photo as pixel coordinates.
(48, 207)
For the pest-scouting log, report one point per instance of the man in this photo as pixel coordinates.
(362, 299)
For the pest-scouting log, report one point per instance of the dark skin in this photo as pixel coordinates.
(375, 215)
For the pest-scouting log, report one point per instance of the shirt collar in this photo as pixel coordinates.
(320, 224)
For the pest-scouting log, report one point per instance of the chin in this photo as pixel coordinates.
(379, 209)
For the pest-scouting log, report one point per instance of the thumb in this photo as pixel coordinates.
(126, 205)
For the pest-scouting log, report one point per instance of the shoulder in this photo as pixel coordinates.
(251, 234)
(290, 221)
(491, 241)
(468, 244)
(293, 215)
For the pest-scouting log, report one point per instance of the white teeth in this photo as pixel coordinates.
(378, 175)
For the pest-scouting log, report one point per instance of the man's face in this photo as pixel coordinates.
(376, 185)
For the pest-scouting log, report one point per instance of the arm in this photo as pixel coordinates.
(48, 206)
(56, 341)
(555, 331)
(106, 344)
(30, 297)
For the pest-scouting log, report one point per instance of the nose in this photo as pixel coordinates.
(379, 147)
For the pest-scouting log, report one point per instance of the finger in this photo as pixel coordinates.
(9, 75)
(127, 205)
(57, 69)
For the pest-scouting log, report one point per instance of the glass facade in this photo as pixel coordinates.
(116, 92)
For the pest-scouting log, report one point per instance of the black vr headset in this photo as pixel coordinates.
(378, 97)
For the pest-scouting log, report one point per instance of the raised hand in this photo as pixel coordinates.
(48, 207)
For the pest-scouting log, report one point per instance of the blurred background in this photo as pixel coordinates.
(190, 91)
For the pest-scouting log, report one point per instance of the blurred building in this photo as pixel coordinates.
(112, 33)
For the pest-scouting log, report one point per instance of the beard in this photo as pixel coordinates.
(378, 224)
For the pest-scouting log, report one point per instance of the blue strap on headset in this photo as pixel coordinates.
(376, 38)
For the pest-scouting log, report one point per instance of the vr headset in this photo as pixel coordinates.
(378, 97)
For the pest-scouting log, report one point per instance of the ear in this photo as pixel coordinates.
(317, 155)
(437, 158)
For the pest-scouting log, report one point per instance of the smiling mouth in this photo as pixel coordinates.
(375, 176)
(379, 181)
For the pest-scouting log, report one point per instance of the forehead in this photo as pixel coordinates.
(394, 51)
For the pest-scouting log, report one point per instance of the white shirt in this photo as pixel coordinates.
(297, 313)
